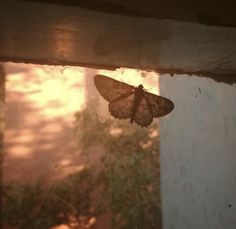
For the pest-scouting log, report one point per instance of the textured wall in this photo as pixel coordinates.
(198, 154)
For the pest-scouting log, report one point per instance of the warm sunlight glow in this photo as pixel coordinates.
(65, 168)
(41, 102)
(65, 162)
(67, 156)
(146, 144)
(56, 91)
(62, 226)
(20, 152)
(153, 133)
(116, 132)
(24, 138)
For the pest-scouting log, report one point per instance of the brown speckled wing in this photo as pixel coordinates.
(111, 89)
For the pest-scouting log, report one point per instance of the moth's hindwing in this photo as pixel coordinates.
(159, 105)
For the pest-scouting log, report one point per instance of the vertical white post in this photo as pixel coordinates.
(198, 154)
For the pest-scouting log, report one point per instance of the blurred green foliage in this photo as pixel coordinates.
(36, 206)
(129, 169)
(125, 181)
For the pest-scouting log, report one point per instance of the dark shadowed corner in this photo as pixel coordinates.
(2, 93)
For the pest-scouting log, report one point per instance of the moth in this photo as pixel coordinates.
(129, 102)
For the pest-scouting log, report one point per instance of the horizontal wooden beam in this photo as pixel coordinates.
(48, 33)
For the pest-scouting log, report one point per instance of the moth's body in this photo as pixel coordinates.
(138, 94)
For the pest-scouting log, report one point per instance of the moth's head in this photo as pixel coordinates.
(140, 86)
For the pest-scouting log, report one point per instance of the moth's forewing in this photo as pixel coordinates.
(143, 116)
(159, 105)
(110, 89)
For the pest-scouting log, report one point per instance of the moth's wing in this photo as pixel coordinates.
(110, 89)
(143, 116)
(159, 105)
(121, 108)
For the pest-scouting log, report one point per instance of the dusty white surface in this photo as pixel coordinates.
(198, 154)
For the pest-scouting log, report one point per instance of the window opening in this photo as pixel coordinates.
(67, 162)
